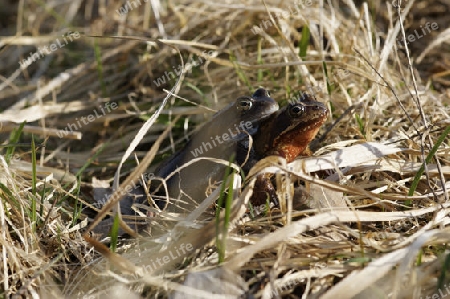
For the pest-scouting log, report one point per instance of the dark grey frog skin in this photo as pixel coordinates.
(219, 139)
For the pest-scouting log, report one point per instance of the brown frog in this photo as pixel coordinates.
(287, 133)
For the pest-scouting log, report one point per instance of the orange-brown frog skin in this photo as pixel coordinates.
(287, 133)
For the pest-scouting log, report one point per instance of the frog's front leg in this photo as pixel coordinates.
(264, 191)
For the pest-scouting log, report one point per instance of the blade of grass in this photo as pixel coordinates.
(325, 71)
(252, 210)
(290, 93)
(196, 89)
(239, 72)
(41, 207)
(199, 91)
(360, 125)
(33, 184)
(304, 42)
(61, 19)
(81, 170)
(91, 159)
(221, 232)
(260, 74)
(13, 139)
(430, 155)
(221, 246)
(114, 234)
(419, 258)
(228, 203)
(444, 269)
(11, 198)
(220, 203)
(98, 57)
(78, 205)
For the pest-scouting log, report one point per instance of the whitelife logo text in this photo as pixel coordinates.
(221, 139)
(46, 51)
(75, 126)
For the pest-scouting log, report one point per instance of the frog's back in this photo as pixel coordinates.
(217, 139)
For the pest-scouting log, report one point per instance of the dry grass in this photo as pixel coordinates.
(365, 233)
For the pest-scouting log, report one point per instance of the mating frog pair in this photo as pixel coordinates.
(283, 132)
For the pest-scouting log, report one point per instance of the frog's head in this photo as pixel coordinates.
(252, 110)
(291, 129)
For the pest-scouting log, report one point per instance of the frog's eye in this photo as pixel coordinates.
(296, 110)
(244, 104)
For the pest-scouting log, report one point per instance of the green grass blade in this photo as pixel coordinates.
(114, 234)
(325, 70)
(228, 204)
(61, 19)
(33, 184)
(82, 169)
(360, 125)
(239, 72)
(442, 277)
(41, 207)
(10, 199)
(32, 212)
(13, 139)
(78, 205)
(430, 155)
(260, 74)
(98, 57)
(304, 43)
(196, 89)
(221, 231)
